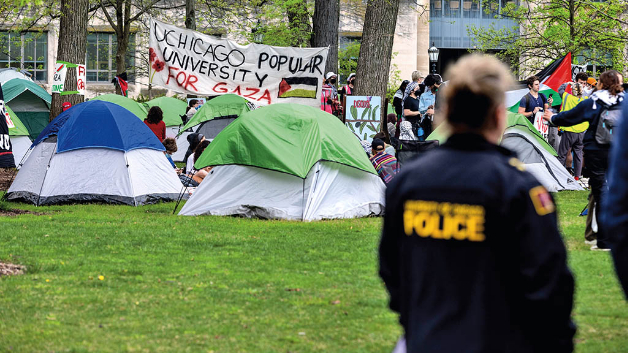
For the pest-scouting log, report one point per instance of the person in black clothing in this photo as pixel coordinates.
(398, 98)
(473, 259)
(609, 93)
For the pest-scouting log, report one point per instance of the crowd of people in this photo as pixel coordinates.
(488, 247)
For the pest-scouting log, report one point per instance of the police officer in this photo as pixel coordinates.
(470, 250)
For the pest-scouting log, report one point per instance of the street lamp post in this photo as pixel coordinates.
(258, 33)
(433, 53)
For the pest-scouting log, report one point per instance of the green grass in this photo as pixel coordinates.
(202, 284)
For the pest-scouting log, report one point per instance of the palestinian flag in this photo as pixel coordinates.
(298, 87)
(551, 78)
(6, 154)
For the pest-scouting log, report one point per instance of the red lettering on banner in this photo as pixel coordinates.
(362, 104)
(81, 70)
(250, 95)
(266, 96)
(237, 91)
(221, 89)
(190, 82)
(181, 73)
(170, 68)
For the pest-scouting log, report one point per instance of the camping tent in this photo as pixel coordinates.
(127, 103)
(211, 119)
(173, 109)
(30, 103)
(19, 137)
(287, 161)
(11, 73)
(96, 151)
(538, 156)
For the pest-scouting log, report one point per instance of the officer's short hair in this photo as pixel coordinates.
(477, 86)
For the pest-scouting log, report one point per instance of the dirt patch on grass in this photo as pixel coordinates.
(11, 269)
(6, 176)
(13, 212)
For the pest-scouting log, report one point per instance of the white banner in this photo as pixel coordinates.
(187, 61)
(58, 79)
(81, 79)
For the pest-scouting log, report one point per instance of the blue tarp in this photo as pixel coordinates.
(99, 124)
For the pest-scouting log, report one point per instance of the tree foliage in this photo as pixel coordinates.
(548, 29)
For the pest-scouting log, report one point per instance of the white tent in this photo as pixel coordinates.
(538, 161)
(330, 190)
(20, 145)
(96, 151)
(11, 73)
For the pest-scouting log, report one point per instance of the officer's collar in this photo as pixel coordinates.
(474, 142)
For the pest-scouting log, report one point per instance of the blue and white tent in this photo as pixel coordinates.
(96, 151)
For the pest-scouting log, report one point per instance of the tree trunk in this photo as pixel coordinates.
(326, 21)
(71, 48)
(299, 20)
(123, 46)
(376, 48)
(190, 23)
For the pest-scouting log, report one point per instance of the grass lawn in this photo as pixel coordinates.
(213, 284)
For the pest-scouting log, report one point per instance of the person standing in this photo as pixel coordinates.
(607, 97)
(397, 99)
(534, 101)
(329, 96)
(572, 137)
(411, 112)
(427, 102)
(155, 121)
(615, 207)
(475, 264)
(347, 89)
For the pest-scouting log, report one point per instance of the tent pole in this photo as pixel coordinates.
(180, 198)
(44, 179)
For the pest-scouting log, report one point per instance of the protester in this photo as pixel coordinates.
(385, 164)
(200, 174)
(590, 86)
(170, 145)
(534, 100)
(405, 132)
(607, 97)
(411, 109)
(329, 96)
(417, 77)
(193, 140)
(572, 137)
(471, 254)
(615, 207)
(398, 99)
(347, 89)
(427, 102)
(192, 108)
(391, 125)
(155, 121)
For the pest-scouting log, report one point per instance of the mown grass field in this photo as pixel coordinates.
(214, 284)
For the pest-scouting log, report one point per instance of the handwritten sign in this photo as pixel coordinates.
(58, 79)
(81, 78)
(191, 62)
(540, 124)
(363, 116)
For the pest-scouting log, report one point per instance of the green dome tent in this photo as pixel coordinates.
(287, 161)
(20, 142)
(30, 103)
(531, 148)
(173, 109)
(134, 107)
(211, 119)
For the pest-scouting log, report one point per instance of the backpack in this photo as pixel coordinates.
(609, 118)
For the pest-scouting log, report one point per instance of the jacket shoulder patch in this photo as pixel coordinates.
(542, 201)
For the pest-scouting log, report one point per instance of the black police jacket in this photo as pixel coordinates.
(471, 254)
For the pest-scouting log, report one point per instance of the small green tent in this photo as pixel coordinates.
(287, 161)
(173, 109)
(20, 140)
(134, 107)
(224, 109)
(30, 103)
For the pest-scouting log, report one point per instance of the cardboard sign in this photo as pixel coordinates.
(58, 79)
(362, 116)
(540, 124)
(187, 61)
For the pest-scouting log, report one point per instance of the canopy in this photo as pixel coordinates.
(134, 107)
(286, 137)
(228, 105)
(173, 109)
(19, 129)
(100, 124)
(17, 86)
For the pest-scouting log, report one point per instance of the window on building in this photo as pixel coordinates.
(101, 57)
(436, 8)
(25, 51)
